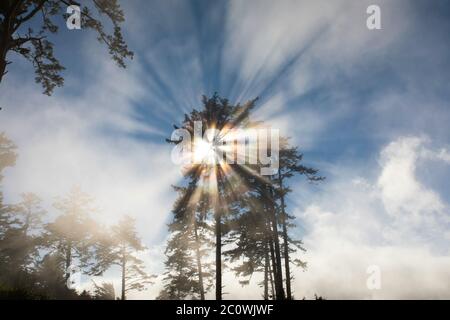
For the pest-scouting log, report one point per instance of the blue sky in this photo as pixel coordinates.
(370, 109)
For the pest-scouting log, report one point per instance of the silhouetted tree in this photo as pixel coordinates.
(73, 234)
(215, 113)
(120, 249)
(187, 274)
(254, 234)
(19, 245)
(255, 229)
(105, 291)
(7, 159)
(30, 212)
(26, 24)
(52, 280)
(12, 251)
(181, 276)
(290, 165)
(8, 154)
(36, 260)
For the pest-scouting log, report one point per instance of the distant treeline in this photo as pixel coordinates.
(42, 260)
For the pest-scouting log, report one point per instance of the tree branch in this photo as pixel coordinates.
(29, 15)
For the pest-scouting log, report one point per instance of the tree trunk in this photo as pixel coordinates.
(199, 261)
(266, 272)
(276, 241)
(124, 266)
(285, 240)
(286, 262)
(5, 36)
(273, 272)
(3, 62)
(4, 43)
(218, 253)
(272, 287)
(27, 223)
(68, 263)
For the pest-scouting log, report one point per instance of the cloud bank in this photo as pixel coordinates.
(393, 222)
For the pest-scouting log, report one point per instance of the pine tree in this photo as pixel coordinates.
(290, 165)
(121, 248)
(8, 153)
(216, 113)
(30, 212)
(20, 243)
(21, 34)
(263, 223)
(181, 279)
(255, 234)
(188, 275)
(51, 278)
(14, 247)
(23, 273)
(248, 239)
(104, 291)
(247, 210)
(73, 234)
(8, 158)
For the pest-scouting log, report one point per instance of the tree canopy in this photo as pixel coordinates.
(26, 26)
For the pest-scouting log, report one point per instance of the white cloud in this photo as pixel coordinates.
(400, 190)
(394, 222)
(89, 140)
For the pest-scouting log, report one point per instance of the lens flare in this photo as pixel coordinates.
(204, 152)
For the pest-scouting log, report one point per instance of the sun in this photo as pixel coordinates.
(204, 152)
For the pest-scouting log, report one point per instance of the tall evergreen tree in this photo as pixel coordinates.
(8, 153)
(219, 114)
(18, 249)
(188, 275)
(263, 223)
(255, 233)
(19, 246)
(73, 234)
(121, 247)
(14, 248)
(289, 166)
(8, 158)
(181, 279)
(30, 212)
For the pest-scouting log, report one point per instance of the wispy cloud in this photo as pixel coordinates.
(391, 220)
